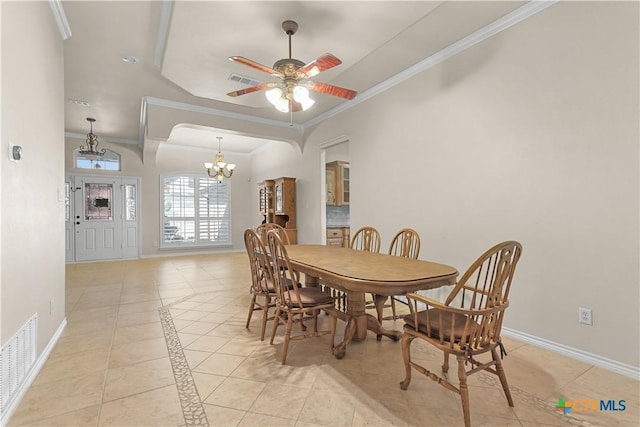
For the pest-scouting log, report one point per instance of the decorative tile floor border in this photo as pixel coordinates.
(534, 401)
(192, 408)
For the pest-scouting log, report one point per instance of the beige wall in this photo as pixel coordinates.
(32, 227)
(531, 135)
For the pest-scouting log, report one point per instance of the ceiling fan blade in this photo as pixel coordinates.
(331, 90)
(319, 65)
(255, 65)
(261, 86)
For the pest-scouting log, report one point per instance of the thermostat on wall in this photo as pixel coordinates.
(15, 152)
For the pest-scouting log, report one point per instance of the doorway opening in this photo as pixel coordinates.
(101, 218)
(336, 191)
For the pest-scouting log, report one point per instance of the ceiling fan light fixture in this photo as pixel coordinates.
(273, 95)
(301, 95)
(277, 99)
(291, 94)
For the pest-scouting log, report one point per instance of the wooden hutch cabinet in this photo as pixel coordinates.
(266, 200)
(278, 204)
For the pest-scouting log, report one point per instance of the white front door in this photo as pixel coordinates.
(102, 221)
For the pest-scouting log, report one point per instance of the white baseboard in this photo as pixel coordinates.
(172, 253)
(574, 353)
(37, 366)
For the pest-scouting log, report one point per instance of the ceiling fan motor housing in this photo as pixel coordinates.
(290, 27)
(288, 67)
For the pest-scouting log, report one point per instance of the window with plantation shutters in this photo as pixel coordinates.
(196, 211)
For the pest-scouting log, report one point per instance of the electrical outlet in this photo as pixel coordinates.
(584, 316)
(51, 306)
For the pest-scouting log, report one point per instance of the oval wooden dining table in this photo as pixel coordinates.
(359, 272)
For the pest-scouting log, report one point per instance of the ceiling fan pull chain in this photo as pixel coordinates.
(290, 107)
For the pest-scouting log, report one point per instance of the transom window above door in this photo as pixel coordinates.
(109, 161)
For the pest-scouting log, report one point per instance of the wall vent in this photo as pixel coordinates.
(243, 79)
(17, 357)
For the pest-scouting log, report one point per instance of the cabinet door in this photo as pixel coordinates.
(263, 201)
(331, 186)
(346, 190)
(279, 198)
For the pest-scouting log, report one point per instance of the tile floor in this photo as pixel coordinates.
(162, 342)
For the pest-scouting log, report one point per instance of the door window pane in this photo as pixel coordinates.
(130, 202)
(98, 202)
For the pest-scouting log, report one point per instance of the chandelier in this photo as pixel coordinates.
(221, 170)
(92, 143)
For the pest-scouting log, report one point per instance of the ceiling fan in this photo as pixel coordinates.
(291, 93)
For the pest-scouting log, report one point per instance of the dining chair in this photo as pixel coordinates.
(406, 244)
(467, 324)
(263, 229)
(293, 302)
(366, 239)
(262, 290)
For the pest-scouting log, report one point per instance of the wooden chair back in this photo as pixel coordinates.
(285, 277)
(366, 239)
(470, 320)
(467, 324)
(406, 243)
(263, 229)
(294, 304)
(262, 287)
(261, 272)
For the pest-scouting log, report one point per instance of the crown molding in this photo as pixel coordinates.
(163, 31)
(529, 9)
(149, 100)
(497, 26)
(60, 18)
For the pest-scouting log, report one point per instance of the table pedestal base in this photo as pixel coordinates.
(358, 323)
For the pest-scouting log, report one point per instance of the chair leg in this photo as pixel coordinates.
(464, 391)
(276, 323)
(393, 308)
(265, 315)
(406, 356)
(502, 376)
(334, 321)
(445, 364)
(287, 338)
(315, 321)
(303, 327)
(251, 307)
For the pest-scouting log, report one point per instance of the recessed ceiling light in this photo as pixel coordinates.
(79, 102)
(130, 59)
